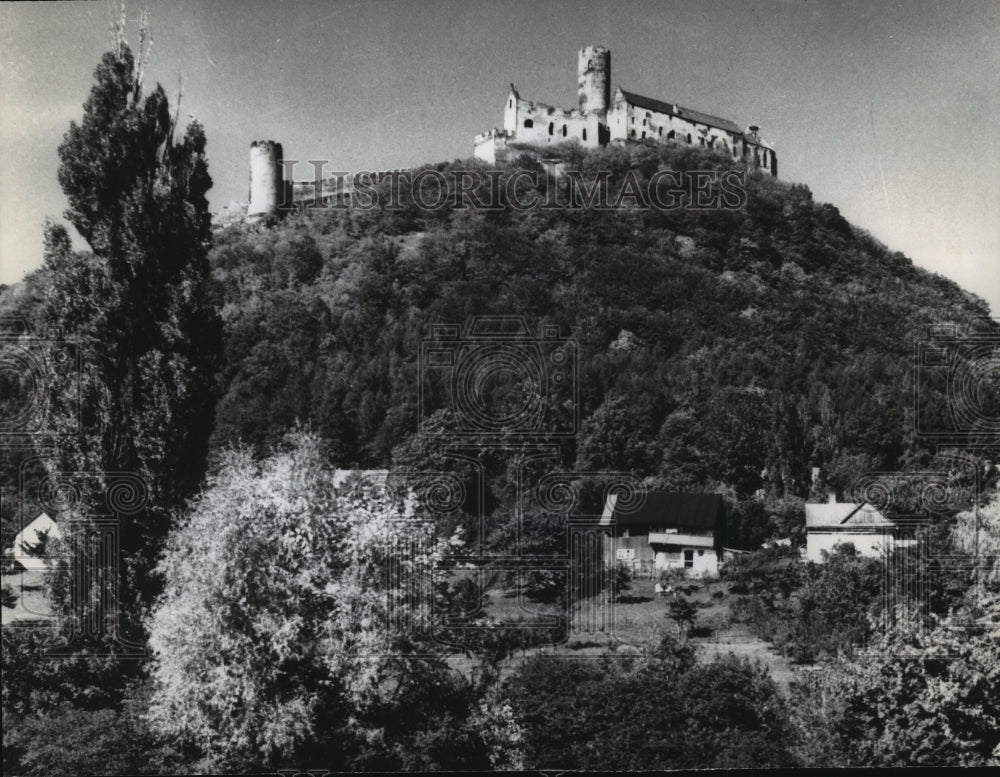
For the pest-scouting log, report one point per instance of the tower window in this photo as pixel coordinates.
(528, 124)
(671, 135)
(584, 133)
(689, 137)
(643, 135)
(510, 103)
(552, 126)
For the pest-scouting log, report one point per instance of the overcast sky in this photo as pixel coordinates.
(890, 111)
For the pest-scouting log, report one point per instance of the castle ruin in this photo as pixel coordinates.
(624, 117)
(600, 119)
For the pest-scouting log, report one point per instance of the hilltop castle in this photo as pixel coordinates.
(600, 119)
(623, 117)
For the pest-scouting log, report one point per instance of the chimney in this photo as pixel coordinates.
(831, 498)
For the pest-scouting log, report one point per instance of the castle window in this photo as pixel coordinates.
(633, 133)
(564, 130)
(689, 137)
(643, 135)
(584, 133)
(633, 119)
(552, 126)
(671, 135)
(528, 124)
(510, 104)
(661, 132)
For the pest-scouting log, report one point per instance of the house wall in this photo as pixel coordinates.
(705, 560)
(636, 552)
(868, 544)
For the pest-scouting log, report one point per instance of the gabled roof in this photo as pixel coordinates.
(662, 509)
(844, 515)
(671, 109)
(28, 535)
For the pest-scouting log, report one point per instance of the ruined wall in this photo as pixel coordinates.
(540, 124)
(267, 184)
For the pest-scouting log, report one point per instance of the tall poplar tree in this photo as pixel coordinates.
(139, 307)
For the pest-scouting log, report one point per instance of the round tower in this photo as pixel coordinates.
(594, 85)
(267, 183)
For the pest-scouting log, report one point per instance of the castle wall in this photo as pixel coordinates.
(628, 122)
(540, 125)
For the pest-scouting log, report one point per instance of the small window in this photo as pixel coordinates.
(660, 132)
(643, 122)
(528, 124)
(689, 137)
(644, 135)
(633, 119)
(584, 133)
(671, 135)
(688, 558)
(564, 130)
(510, 104)
(701, 552)
(633, 133)
(552, 126)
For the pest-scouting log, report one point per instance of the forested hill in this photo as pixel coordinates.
(738, 347)
(717, 348)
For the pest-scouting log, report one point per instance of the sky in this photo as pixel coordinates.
(888, 110)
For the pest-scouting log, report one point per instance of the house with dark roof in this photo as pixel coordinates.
(666, 531)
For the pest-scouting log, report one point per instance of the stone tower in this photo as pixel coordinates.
(594, 85)
(267, 185)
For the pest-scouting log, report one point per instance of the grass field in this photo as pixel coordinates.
(636, 624)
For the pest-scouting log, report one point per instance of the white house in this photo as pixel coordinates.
(834, 523)
(26, 541)
(667, 531)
